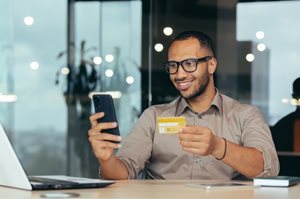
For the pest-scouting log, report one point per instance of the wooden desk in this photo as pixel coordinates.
(156, 189)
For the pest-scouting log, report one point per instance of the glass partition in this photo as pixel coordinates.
(107, 59)
(35, 73)
(269, 48)
(275, 48)
(30, 41)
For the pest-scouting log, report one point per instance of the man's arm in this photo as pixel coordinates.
(201, 141)
(103, 148)
(247, 161)
(113, 169)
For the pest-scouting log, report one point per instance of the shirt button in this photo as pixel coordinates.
(198, 161)
(199, 116)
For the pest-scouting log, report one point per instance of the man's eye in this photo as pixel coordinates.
(189, 63)
(172, 65)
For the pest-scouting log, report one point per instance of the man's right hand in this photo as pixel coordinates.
(101, 142)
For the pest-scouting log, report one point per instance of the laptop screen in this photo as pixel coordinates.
(12, 173)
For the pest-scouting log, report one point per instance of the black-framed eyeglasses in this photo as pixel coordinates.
(188, 65)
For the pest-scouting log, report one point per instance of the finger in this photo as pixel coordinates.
(103, 144)
(104, 136)
(112, 145)
(94, 131)
(190, 144)
(93, 118)
(109, 137)
(102, 126)
(190, 130)
(199, 130)
(194, 150)
(99, 142)
(190, 137)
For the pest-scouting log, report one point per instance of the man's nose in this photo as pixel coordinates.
(180, 72)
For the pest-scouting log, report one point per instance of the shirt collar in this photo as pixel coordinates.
(217, 103)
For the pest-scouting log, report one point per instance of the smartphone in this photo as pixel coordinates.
(104, 103)
(220, 185)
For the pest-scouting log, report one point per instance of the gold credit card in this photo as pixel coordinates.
(170, 125)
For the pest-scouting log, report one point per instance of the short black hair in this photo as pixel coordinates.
(204, 39)
(296, 88)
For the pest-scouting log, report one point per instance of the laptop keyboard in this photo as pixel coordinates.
(49, 180)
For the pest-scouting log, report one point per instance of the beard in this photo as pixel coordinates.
(204, 81)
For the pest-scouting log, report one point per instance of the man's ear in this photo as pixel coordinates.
(212, 65)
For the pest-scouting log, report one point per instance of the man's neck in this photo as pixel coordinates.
(202, 102)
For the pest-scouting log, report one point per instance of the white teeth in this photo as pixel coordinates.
(183, 83)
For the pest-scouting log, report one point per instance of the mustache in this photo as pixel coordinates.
(182, 79)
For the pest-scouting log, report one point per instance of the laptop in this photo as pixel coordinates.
(13, 175)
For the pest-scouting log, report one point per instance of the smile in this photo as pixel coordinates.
(183, 85)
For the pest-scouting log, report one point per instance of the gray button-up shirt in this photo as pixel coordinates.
(161, 153)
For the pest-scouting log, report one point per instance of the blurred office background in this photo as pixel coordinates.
(55, 53)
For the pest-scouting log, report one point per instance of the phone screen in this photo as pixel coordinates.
(104, 103)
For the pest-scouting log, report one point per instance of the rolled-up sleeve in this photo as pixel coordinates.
(256, 134)
(137, 146)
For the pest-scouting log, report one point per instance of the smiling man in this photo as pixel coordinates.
(221, 140)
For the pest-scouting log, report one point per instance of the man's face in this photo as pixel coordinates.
(190, 85)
